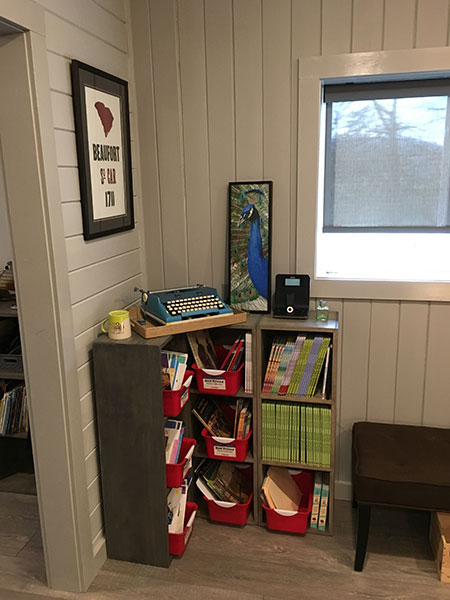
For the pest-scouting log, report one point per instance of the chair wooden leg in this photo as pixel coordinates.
(362, 536)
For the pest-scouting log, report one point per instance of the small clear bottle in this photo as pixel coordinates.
(322, 311)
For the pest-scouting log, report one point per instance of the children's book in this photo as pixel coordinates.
(316, 499)
(173, 365)
(173, 431)
(323, 510)
(202, 349)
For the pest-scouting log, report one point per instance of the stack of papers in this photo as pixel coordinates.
(173, 365)
(280, 490)
(173, 431)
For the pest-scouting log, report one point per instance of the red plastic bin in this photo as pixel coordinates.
(175, 473)
(174, 400)
(293, 521)
(179, 541)
(226, 383)
(226, 448)
(211, 381)
(229, 512)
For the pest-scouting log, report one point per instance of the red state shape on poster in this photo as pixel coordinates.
(106, 117)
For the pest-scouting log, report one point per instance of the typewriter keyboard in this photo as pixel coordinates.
(197, 305)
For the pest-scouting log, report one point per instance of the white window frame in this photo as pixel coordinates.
(344, 68)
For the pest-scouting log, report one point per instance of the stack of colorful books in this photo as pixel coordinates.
(295, 365)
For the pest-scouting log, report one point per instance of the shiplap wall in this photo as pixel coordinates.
(6, 253)
(217, 88)
(102, 272)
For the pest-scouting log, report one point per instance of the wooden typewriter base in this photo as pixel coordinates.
(147, 329)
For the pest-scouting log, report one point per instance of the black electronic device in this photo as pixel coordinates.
(291, 296)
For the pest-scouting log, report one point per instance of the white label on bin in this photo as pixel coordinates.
(187, 535)
(187, 466)
(225, 451)
(215, 383)
(184, 397)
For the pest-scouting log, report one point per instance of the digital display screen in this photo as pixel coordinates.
(292, 282)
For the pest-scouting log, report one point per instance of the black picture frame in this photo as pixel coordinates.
(101, 111)
(250, 245)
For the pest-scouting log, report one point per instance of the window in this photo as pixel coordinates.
(385, 212)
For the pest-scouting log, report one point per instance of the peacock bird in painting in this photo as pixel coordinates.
(257, 264)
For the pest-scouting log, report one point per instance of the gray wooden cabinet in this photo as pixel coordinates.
(130, 423)
(268, 328)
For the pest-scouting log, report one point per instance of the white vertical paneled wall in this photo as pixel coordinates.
(223, 79)
(103, 272)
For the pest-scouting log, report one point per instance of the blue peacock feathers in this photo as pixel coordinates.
(249, 246)
(257, 263)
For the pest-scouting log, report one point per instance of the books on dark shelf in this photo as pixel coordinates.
(248, 381)
(224, 481)
(221, 421)
(9, 336)
(323, 509)
(13, 409)
(296, 433)
(173, 367)
(294, 366)
(317, 490)
(321, 490)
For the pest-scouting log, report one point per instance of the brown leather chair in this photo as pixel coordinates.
(403, 466)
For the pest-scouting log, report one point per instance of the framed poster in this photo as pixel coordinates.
(102, 129)
(249, 255)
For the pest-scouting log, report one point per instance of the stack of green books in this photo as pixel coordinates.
(296, 433)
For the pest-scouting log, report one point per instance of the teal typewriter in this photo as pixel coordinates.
(178, 304)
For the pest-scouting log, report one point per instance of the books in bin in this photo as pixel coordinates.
(233, 359)
(223, 481)
(210, 414)
(217, 422)
(205, 355)
(173, 367)
(173, 432)
(280, 491)
(202, 349)
(176, 506)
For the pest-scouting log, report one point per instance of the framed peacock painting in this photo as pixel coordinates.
(249, 254)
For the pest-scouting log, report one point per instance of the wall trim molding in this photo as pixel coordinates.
(313, 72)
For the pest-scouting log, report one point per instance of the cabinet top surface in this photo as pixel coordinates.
(269, 322)
(133, 340)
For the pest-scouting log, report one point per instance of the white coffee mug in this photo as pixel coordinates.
(118, 325)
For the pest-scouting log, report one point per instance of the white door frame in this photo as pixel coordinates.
(42, 283)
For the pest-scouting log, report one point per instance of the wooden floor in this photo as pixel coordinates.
(250, 563)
